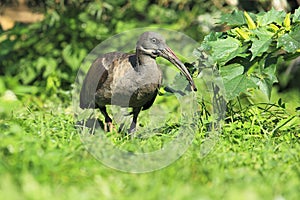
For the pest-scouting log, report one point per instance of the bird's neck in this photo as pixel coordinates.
(143, 60)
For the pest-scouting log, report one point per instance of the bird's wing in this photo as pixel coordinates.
(150, 102)
(95, 77)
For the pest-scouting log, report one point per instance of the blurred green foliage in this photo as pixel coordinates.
(43, 58)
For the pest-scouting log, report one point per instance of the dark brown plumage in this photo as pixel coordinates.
(128, 80)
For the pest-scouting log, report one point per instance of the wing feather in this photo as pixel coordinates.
(95, 78)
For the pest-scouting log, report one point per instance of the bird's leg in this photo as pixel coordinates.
(108, 126)
(135, 113)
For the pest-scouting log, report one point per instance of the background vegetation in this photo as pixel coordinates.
(257, 155)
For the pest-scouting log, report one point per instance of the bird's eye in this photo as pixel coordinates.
(153, 40)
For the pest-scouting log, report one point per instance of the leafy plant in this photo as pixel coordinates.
(247, 54)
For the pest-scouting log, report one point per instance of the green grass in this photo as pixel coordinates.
(42, 157)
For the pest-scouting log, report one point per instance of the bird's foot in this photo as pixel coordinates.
(108, 127)
(131, 131)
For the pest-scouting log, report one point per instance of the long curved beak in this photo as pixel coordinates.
(168, 54)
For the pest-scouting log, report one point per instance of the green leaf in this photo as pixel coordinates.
(179, 83)
(50, 68)
(270, 73)
(283, 123)
(290, 42)
(6, 46)
(262, 44)
(141, 5)
(2, 85)
(259, 46)
(296, 16)
(122, 26)
(213, 36)
(229, 72)
(225, 49)
(73, 56)
(266, 79)
(263, 32)
(48, 65)
(237, 85)
(28, 89)
(273, 16)
(235, 18)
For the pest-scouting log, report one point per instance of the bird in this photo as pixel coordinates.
(129, 80)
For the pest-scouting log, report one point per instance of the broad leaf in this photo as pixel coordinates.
(261, 45)
(47, 65)
(290, 42)
(296, 17)
(225, 49)
(273, 16)
(229, 72)
(180, 82)
(265, 84)
(266, 80)
(235, 18)
(270, 73)
(263, 32)
(237, 85)
(73, 56)
(6, 46)
(207, 39)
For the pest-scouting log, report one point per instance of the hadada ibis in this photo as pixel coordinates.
(129, 80)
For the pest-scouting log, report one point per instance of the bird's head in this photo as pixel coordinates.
(154, 45)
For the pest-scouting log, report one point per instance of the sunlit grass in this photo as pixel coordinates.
(42, 157)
